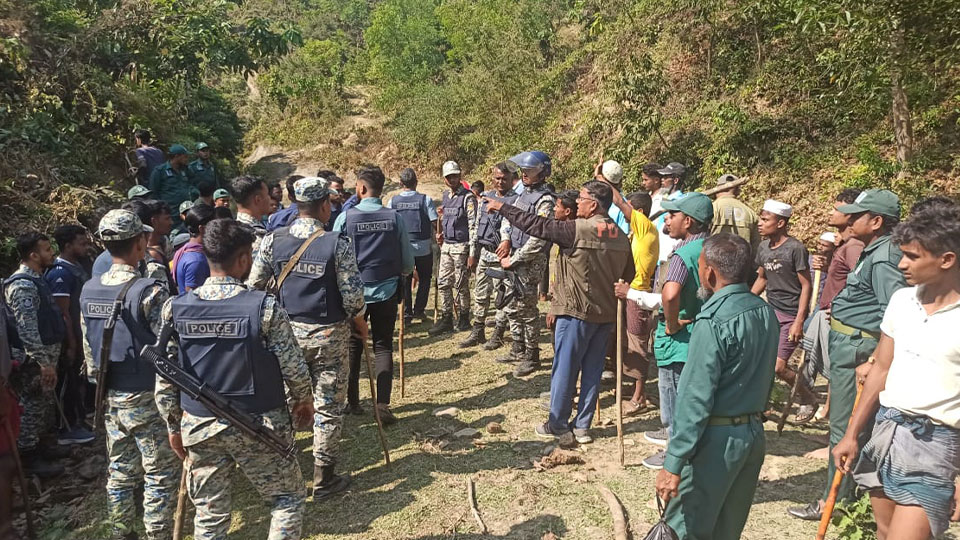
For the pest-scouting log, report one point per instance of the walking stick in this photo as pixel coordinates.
(402, 380)
(835, 485)
(24, 494)
(180, 516)
(373, 396)
(619, 379)
(803, 361)
(436, 281)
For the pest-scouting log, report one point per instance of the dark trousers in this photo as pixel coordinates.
(424, 267)
(382, 317)
(71, 389)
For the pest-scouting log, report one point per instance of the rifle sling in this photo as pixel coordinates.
(287, 268)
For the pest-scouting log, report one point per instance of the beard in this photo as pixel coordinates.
(704, 293)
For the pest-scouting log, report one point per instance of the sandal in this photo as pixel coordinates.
(806, 413)
(631, 407)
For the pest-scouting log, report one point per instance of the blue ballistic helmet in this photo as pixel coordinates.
(533, 160)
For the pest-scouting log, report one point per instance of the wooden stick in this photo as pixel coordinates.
(21, 478)
(835, 485)
(373, 396)
(803, 361)
(180, 516)
(619, 379)
(436, 281)
(620, 530)
(402, 380)
(472, 501)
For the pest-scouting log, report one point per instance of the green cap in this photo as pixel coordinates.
(878, 201)
(201, 146)
(221, 194)
(138, 191)
(178, 150)
(185, 205)
(696, 205)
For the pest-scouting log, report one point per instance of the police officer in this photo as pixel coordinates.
(384, 256)
(253, 203)
(249, 358)
(171, 182)
(137, 446)
(717, 445)
(488, 240)
(323, 295)
(41, 329)
(419, 218)
(457, 251)
(528, 256)
(138, 192)
(856, 314)
(203, 169)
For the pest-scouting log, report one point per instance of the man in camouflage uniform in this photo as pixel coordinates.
(458, 250)
(265, 339)
(528, 258)
(41, 329)
(323, 336)
(137, 446)
(253, 202)
(488, 240)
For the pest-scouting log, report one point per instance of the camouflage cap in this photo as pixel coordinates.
(120, 225)
(312, 188)
(186, 205)
(138, 191)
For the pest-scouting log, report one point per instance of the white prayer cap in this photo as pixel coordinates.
(778, 208)
(612, 171)
(829, 237)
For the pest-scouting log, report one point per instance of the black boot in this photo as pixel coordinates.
(515, 353)
(444, 325)
(496, 339)
(529, 363)
(326, 483)
(35, 464)
(475, 338)
(464, 324)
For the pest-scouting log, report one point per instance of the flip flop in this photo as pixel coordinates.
(631, 407)
(806, 413)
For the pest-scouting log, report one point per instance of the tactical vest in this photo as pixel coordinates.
(669, 349)
(413, 212)
(488, 225)
(127, 372)
(456, 228)
(585, 277)
(49, 317)
(377, 243)
(528, 202)
(310, 293)
(220, 343)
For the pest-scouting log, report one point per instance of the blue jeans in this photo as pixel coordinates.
(669, 380)
(579, 350)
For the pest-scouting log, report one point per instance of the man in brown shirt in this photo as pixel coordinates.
(845, 257)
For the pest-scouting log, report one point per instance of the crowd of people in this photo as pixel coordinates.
(719, 296)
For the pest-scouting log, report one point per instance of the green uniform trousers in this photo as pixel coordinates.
(717, 484)
(846, 353)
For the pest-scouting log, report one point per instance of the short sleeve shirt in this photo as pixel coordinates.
(645, 245)
(780, 266)
(924, 377)
(192, 271)
(843, 261)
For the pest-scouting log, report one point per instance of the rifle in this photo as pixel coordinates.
(503, 297)
(106, 344)
(210, 398)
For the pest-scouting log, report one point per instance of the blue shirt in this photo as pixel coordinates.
(381, 290)
(349, 203)
(192, 271)
(617, 216)
(420, 247)
(102, 263)
(282, 218)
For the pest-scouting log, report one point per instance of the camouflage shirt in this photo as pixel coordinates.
(24, 301)
(258, 229)
(277, 338)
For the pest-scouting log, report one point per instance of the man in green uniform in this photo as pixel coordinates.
(717, 445)
(856, 313)
(203, 169)
(171, 183)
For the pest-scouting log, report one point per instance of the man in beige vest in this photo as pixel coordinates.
(732, 216)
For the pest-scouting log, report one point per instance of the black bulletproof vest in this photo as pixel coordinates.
(127, 373)
(220, 343)
(488, 225)
(310, 293)
(527, 201)
(376, 241)
(413, 211)
(49, 318)
(456, 229)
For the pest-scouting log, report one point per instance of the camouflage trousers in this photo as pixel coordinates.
(211, 463)
(38, 416)
(138, 450)
(453, 267)
(485, 291)
(522, 310)
(326, 349)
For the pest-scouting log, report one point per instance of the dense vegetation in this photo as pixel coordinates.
(805, 95)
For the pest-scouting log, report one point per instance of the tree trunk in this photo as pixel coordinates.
(902, 124)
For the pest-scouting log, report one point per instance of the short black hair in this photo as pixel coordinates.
(937, 229)
(291, 190)
(729, 255)
(373, 178)
(937, 201)
(199, 215)
(27, 243)
(509, 170)
(568, 198)
(206, 188)
(146, 209)
(222, 212)
(652, 170)
(889, 222)
(408, 178)
(848, 195)
(64, 234)
(641, 201)
(244, 187)
(327, 174)
(224, 239)
(143, 135)
(600, 191)
(477, 186)
(121, 248)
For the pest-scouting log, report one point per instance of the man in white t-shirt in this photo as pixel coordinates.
(911, 395)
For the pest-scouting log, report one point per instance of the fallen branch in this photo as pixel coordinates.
(472, 501)
(620, 531)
